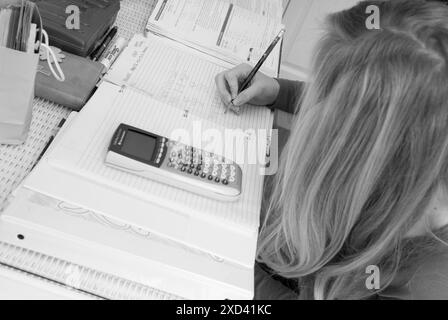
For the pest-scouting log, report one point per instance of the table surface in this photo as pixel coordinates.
(16, 162)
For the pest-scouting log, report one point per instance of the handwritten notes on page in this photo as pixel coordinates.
(182, 78)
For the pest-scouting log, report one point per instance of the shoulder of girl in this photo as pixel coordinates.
(431, 278)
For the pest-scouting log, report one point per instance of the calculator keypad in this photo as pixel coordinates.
(201, 165)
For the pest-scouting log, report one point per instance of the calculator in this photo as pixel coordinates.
(160, 159)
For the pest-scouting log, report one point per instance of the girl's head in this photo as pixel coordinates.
(368, 151)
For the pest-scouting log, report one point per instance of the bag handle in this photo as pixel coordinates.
(44, 41)
(59, 75)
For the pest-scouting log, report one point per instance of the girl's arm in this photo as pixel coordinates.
(289, 96)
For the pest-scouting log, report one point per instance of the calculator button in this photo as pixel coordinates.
(210, 178)
(190, 171)
(199, 168)
(217, 180)
(203, 176)
(225, 182)
(192, 166)
(183, 169)
(197, 173)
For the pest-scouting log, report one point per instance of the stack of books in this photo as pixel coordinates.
(16, 30)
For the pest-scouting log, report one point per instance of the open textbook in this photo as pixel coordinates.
(233, 30)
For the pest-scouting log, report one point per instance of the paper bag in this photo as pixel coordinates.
(17, 77)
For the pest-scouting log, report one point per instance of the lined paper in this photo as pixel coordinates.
(184, 79)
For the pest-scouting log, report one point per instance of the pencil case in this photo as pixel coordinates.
(81, 77)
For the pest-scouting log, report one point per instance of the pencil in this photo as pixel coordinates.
(260, 63)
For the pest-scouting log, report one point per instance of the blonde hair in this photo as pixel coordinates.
(368, 150)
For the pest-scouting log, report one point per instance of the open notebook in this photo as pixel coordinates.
(235, 31)
(160, 86)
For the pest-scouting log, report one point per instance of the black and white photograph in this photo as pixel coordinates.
(218, 158)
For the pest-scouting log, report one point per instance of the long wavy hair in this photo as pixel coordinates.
(367, 152)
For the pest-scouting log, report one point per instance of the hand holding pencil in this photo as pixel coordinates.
(244, 84)
(262, 91)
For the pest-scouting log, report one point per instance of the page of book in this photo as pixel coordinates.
(236, 31)
(181, 78)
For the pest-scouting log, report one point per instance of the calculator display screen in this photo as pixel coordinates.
(139, 145)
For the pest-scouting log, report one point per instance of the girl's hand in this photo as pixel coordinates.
(263, 90)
